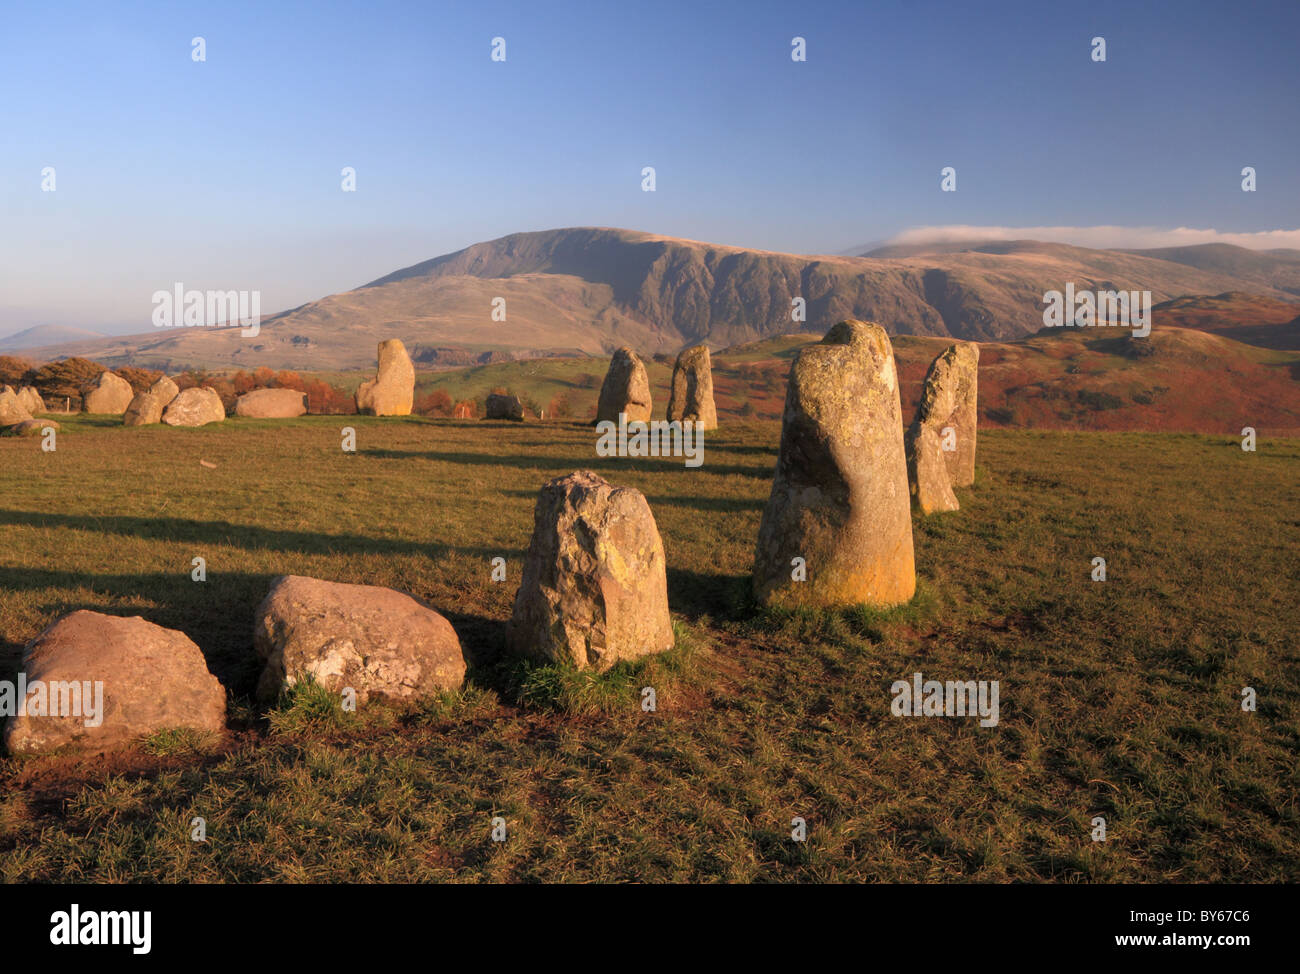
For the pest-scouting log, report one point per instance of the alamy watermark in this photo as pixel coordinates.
(954, 698)
(208, 309)
(1087, 309)
(58, 698)
(656, 438)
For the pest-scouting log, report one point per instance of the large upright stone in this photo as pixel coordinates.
(165, 390)
(145, 410)
(151, 679)
(626, 389)
(941, 439)
(196, 406)
(839, 499)
(691, 399)
(12, 411)
(594, 588)
(927, 472)
(949, 401)
(272, 404)
(392, 391)
(378, 641)
(110, 395)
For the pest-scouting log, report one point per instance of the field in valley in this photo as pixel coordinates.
(1118, 698)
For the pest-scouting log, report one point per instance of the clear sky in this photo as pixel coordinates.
(226, 173)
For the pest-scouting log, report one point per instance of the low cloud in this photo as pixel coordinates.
(1103, 237)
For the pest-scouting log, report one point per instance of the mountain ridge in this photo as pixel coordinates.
(588, 290)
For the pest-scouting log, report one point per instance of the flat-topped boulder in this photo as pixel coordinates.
(392, 391)
(380, 642)
(691, 398)
(594, 589)
(626, 389)
(28, 427)
(106, 681)
(109, 396)
(145, 410)
(272, 404)
(195, 407)
(837, 529)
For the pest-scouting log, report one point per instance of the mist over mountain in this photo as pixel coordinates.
(588, 290)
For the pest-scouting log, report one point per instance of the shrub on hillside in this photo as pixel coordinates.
(63, 381)
(324, 399)
(13, 370)
(140, 379)
(437, 403)
(561, 406)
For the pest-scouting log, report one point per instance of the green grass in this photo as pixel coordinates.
(1119, 698)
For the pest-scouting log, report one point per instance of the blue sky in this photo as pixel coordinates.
(226, 174)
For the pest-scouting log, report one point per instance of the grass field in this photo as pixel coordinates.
(1118, 698)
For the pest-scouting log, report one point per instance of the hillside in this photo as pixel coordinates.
(1242, 317)
(1175, 380)
(589, 290)
(40, 336)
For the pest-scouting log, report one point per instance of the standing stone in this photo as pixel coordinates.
(691, 399)
(392, 391)
(145, 410)
(504, 407)
(195, 407)
(626, 389)
(379, 641)
(12, 411)
(152, 679)
(165, 390)
(839, 498)
(949, 400)
(31, 400)
(927, 472)
(272, 404)
(595, 588)
(110, 395)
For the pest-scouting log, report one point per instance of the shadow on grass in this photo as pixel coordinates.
(561, 465)
(218, 616)
(696, 594)
(221, 533)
